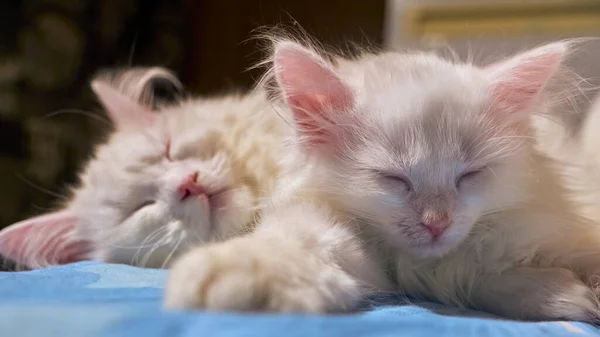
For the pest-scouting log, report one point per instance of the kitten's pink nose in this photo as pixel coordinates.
(190, 187)
(436, 226)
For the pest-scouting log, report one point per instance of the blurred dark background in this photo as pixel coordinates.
(49, 49)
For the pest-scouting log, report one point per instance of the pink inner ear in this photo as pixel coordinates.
(313, 91)
(44, 241)
(517, 82)
(124, 112)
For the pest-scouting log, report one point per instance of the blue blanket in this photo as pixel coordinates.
(93, 299)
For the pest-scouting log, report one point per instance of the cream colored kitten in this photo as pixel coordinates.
(434, 159)
(187, 174)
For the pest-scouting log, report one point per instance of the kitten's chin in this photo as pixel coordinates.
(434, 248)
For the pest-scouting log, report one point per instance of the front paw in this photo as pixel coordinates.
(246, 274)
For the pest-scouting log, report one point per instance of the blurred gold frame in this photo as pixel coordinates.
(563, 18)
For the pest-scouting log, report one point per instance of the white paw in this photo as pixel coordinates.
(249, 275)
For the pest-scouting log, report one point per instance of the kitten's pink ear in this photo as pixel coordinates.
(44, 241)
(125, 113)
(316, 95)
(518, 81)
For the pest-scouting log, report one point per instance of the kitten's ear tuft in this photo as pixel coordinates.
(313, 91)
(125, 113)
(44, 241)
(517, 82)
(152, 87)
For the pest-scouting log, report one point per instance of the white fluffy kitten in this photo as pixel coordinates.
(188, 174)
(439, 159)
(435, 159)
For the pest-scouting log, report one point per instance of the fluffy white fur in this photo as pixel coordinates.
(128, 201)
(418, 125)
(389, 159)
(300, 256)
(299, 259)
(402, 143)
(576, 152)
(127, 209)
(140, 84)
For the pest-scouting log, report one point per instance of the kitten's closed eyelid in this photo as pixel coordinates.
(144, 204)
(468, 175)
(397, 178)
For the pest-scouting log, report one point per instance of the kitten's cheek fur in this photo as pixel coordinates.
(246, 274)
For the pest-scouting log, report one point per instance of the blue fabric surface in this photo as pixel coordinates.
(94, 299)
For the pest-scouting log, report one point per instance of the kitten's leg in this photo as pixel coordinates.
(297, 260)
(578, 251)
(536, 294)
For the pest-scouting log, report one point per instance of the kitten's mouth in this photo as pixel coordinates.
(423, 239)
(216, 199)
(433, 246)
(213, 199)
(208, 206)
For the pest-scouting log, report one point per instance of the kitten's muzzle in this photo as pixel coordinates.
(436, 224)
(189, 187)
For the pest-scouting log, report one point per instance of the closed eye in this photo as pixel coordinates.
(398, 179)
(144, 205)
(468, 176)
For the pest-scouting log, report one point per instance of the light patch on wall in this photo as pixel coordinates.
(469, 19)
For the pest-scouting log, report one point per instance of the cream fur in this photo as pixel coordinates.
(232, 142)
(299, 258)
(513, 218)
(516, 245)
(576, 152)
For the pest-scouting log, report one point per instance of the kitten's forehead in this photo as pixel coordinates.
(134, 149)
(421, 96)
(431, 138)
(402, 83)
(424, 109)
(139, 153)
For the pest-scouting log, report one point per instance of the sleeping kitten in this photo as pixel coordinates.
(434, 159)
(187, 174)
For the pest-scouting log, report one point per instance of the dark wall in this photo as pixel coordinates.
(222, 49)
(49, 49)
